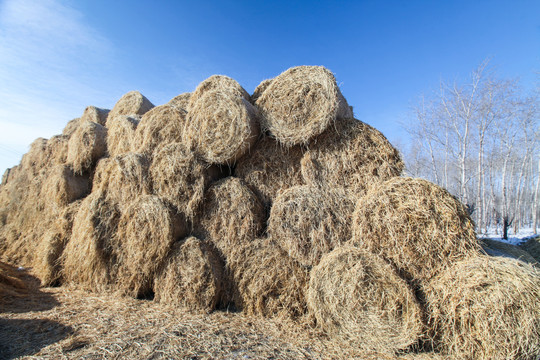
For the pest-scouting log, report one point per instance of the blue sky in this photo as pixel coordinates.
(59, 56)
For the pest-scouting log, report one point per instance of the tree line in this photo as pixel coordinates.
(480, 139)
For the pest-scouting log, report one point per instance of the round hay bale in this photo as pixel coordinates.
(132, 103)
(71, 127)
(95, 114)
(357, 297)
(47, 266)
(89, 258)
(417, 226)
(57, 149)
(351, 154)
(180, 101)
(217, 83)
(86, 146)
(160, 126)
(270, 168)
(222, 124)
(63, 186)
(123, 178)
(146, 232)
(191, 277)
(301, 103)
(260, 89)
(36, 157)
(308, 222)
(120, 133)
(231, 215)
(486, 308)
(266, 281)
(180, 178)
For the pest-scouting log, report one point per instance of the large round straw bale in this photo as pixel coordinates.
(47, 266)
(308, 222)
(71, 127)
(123, 177)
(217, 83)
(120, 133)
(132, 103)
(146, 232)
(231, 215)
(180, 101)
(221, 126)
(260, 89)
(160, 126)
(191, 277)
(95, 114)
(89, 258)
(270, 168)
(357, 297)
(64, 186)
(267, 281)
(36, 157)
(301, 103)
(351, 154)
(180, 178)
(86, 146)
(486, 308)
(57, 149)
(417, 226)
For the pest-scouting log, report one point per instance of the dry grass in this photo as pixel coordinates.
(160, 126)
(35, 158)
(71, 127)
(417, 226)
(146, 232)
(351, 154)
(265, 281)
(192, 276)
(219, 83)
(270, 168)
(121, 133)
(123, 178)
(308, 221)
(63, 186)
(180, 101)
(221, 124)
(47, 265)
(95, 114)
(359, 298)
(301, 103)
(57, 149)
(11, 284)
(260, 89)
(88, 259)
(86, 146)
(132, 103)
(180, 178)
(231, 215)
(486, 308)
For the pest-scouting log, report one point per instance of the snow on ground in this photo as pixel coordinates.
(513, 238)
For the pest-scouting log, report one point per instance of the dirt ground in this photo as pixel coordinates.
(66, 323)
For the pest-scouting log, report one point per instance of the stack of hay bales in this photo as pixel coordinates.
(275, 204)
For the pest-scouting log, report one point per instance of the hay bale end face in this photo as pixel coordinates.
(180, 178)
(357, 297)
(417, 226)
(146, 232)
(486, 308)
(231, 215)
(191, 277)
(86, 146)
(132, 103)
(266, 281)
(270, 168)
(308, 222)
(217, 83)
(351, 154)
(301, 103)
(221, 125)
(63, 186)
(160, 126)
(120, 133)
(95, 114)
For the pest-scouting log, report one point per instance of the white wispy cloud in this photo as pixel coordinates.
(49, 58)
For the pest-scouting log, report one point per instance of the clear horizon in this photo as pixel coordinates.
(57, 57)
